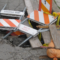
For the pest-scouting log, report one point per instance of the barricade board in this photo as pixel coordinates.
(41, 18)
(11, 12)
(27, 29)
(45, 5)
(9, 22)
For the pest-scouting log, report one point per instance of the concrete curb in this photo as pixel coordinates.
(54, 7)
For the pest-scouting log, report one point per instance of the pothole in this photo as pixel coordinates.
(15, 41)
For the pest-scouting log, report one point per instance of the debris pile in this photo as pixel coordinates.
(42, 23)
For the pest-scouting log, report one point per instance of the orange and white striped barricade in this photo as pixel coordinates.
(41, 18)
(9, 23)
(15, 29)
(19, 26)
(11, 13)
(45, 5)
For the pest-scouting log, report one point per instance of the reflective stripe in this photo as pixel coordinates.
(44, 8)
(14, 22)
(41, 17)
(9, 22)
(32, 15)
(45, 5)
(17, 20)
(51, 18)
(36, 15)
(4, 23)
(1, 24)
(46, 19)
(48, 1)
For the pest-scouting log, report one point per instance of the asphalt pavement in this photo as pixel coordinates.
(8, 52)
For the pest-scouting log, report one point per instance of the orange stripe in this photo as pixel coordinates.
(44, 8)
(9, 22)
(18, 33)
(18, 20)
(48, 1)
(28, 16)
(54, 17)
(1, 24)
(46, 18)
(36, 15)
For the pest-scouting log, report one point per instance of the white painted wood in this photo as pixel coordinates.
(12, 12)
(27, 29)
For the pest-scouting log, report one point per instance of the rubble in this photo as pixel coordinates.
(28, 46)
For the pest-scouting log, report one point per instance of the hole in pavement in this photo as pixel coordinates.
(16, 40)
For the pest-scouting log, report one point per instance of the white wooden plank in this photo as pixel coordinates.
(12, 12)
(27, 29)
